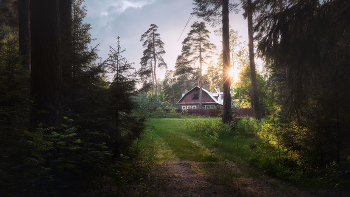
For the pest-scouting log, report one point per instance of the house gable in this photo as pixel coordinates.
(191, 99)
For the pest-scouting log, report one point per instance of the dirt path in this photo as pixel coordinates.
(182, 179)
(182, 166)
(186, 177)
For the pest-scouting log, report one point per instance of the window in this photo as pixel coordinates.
(210, 107)
(195, 97)
(183, 107)
(194, 107)
(188, 107)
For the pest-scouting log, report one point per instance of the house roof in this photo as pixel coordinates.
(204, 90)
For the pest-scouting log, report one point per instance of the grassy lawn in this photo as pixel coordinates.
(169, 130)
(253, 147)
(194, 139)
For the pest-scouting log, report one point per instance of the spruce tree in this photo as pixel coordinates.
(310, 40)
(120, 100)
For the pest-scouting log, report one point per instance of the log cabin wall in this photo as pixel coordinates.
(191, 99)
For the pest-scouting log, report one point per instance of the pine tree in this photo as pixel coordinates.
(210, 11)
(196, 47)
(169, 86)
(23, 29)
(213, 76)
(249, 7)
(45, 78)
(65, 9)
(154, 52)
(310, 39)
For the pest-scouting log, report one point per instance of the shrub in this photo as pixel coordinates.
(185, 112)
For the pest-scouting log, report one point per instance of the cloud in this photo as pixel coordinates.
(121, 6)
(129, 19)
(106, 7)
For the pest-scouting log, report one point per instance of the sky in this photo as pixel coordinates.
(129, 19)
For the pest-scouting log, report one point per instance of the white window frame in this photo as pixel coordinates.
(183, 107)
(209, 106)
(188, 107)
(194, 107)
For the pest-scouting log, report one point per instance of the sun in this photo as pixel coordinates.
(234, 73)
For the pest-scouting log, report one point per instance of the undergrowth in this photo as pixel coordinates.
(244, 141)
(259, 144)
(130, 173)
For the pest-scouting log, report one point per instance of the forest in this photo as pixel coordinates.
(74, 124)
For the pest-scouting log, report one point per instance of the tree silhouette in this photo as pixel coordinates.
(249, 8)
(196, 47)
(23, 28)
(210, 11)
(65, 8)
(154, 52)
(310, 40)
(45, 73)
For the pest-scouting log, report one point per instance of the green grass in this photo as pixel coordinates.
(254, 147)
(169, 129)
(242, 144)
(247, 142)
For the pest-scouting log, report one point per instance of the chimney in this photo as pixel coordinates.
(218, 89)
(183, 94)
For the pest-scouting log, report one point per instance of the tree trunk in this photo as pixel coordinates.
(200, 77)
(174, 97)
(155, 85)
(226, 114)
(74, 53)
(117, 74)
(65, 9)
(45, 62)
(252, 63)
(24, 42)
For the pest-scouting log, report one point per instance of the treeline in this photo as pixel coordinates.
(306, 46)
(62, 124)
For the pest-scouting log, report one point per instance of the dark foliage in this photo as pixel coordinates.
(307, 44)
(196, 47)
(82, 139)
(151, 59)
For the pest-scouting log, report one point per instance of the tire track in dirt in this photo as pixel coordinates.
(180, 179)
(175, 177)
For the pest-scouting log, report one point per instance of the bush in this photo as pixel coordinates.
(185, 112)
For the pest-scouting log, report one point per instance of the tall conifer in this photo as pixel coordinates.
(45, 61)
(196, 48)
(210, 11)
(154, 52)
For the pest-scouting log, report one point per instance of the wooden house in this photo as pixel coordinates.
(210, 100)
